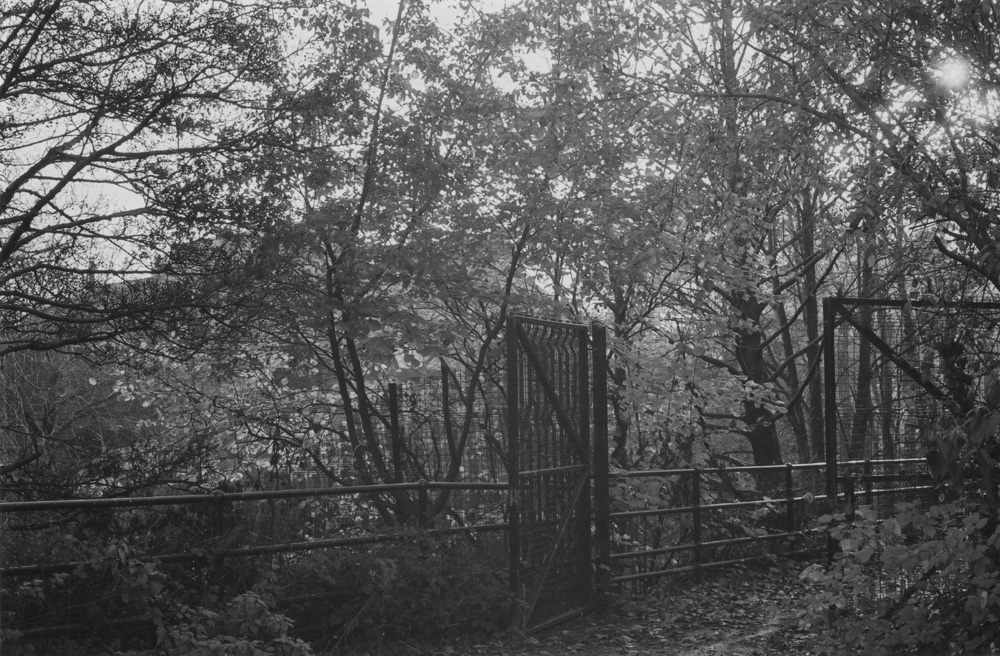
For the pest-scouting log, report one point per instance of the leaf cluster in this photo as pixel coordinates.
(928, 578)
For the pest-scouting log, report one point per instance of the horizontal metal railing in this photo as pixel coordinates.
(220, 500)
(697, 546)
(219, 496)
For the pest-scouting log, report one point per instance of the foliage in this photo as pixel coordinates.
(411, 585)
(114, 576)
(418, 587)
(245, 626)
(69, 432)
(109, 583)
(140, 147)
(928, 578)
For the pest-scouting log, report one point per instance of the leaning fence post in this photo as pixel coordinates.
(422, 504)
(696, 513)
(849, 493)
(789, 498)
(395, 434)
(218, 523)
(867, 473)
(218, 512)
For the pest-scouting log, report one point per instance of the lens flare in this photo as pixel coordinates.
(953, 73)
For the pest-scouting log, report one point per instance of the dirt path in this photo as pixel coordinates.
(741, 613)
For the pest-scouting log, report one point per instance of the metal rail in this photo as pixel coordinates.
(219, 496)
(697, 510)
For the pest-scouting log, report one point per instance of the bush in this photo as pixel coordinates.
(246, 626)
(924, 579)
(109, 584)
(415, 586)
(419, 587)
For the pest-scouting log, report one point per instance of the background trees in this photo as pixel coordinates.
(318, 207)
(226, 228)
(139, 147)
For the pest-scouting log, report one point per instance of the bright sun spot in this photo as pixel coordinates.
(952, 73)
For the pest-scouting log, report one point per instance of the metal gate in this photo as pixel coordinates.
(549, 418)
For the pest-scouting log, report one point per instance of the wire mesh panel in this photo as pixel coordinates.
(905, 375)
(549, 445)
(902, 378)
(906, 370)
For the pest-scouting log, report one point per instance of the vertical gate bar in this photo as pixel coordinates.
(602, 493)
(789, 498)
(696, 512)
(395, 435)
(830, 414)
(513, 477)
(583, 512)
(548, 391)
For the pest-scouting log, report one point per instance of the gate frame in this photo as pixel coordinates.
(837, 309)
(590, 494)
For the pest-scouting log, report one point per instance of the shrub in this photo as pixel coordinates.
(107, 585)
(924, 579)
(419, 587)
(246, 626)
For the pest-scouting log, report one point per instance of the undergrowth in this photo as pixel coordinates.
(926, 580)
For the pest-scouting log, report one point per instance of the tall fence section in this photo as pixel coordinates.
(535, 488)
(901, 376)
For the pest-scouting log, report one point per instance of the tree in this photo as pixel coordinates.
(373, 203)
(66, 431)
(701, 227)
(916, 86)
(138, 145)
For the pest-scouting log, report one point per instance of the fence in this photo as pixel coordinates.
(417, 425)
(880, 484)
(220, 527)
(901, 377)
(662, 522)
(650, 542)
(901, 373)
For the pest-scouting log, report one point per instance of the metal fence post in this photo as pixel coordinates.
(867, 474)
(394, 433)
(516, 619)
(422, 504)
(602, 498)
(218, 523)
(696, 513)
(218, 512)
(789, 498)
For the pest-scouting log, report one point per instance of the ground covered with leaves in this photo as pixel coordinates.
(739, 612)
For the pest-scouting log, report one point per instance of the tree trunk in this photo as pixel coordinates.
(817, 428)
(794, 409)
(863, 411)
